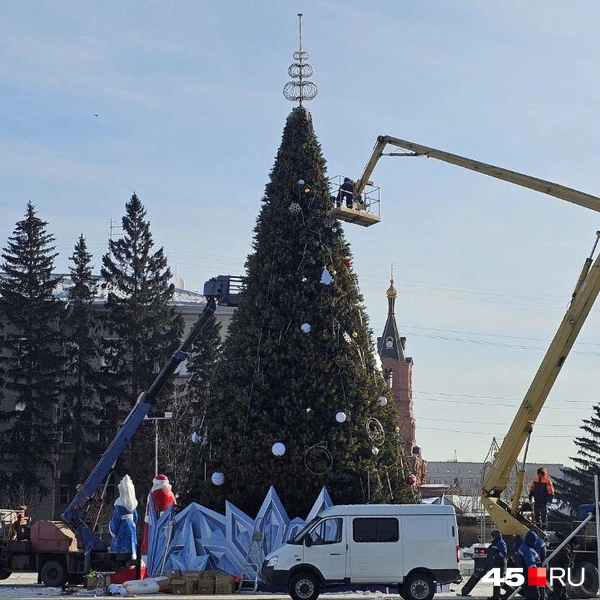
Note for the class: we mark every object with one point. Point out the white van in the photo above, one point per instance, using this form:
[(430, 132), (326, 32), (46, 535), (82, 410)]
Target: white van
[(411, 546)]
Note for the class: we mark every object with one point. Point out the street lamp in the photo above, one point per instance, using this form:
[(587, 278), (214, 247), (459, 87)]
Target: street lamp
[(168, 415)]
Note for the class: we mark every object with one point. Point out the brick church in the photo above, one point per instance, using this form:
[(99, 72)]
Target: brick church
[(397, 370)]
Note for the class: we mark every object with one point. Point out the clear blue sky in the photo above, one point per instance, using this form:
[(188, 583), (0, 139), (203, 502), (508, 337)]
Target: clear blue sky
[(190, 115)]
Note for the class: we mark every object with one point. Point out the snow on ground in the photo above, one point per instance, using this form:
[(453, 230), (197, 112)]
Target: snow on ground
[(24, 587)]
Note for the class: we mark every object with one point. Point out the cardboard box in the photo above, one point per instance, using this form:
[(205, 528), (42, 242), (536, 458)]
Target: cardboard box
[(224, 584), (205, 585), (164, 583), (97, 580), (182, 586), (173, 574), (192, 573), (208, 574)]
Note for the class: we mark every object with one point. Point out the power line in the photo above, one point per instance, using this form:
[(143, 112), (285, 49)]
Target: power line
[(479, 397)]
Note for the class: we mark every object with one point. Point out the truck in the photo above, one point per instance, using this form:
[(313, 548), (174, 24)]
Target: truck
[(408, 546), (64, 551), (509, 516)]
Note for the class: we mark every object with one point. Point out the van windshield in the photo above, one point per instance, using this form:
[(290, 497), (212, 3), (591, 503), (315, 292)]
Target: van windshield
[(297, 539)]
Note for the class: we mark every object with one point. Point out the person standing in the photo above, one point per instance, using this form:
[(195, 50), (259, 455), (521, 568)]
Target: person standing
[(497, 554), (541, 492), (530, 558), (346, 193)]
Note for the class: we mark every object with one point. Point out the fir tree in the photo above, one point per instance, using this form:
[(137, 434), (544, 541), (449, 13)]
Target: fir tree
[(32, 358), (143, 331), (577, 485), (187, 443), (298, 352), (80, 406)]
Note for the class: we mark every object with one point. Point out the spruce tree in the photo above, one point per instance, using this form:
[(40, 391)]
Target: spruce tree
[(80, 414), (577, 485), (299, 351), (142, 332), (32, 359)]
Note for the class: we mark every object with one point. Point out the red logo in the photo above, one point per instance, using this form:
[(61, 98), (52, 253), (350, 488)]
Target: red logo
[(536, 576)]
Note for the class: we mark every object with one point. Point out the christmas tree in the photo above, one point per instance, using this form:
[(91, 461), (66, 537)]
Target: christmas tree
[(185, 448), (297, 400)]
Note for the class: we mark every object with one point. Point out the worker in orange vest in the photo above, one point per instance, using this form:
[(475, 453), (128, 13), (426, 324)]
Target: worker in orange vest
[(541, 492)]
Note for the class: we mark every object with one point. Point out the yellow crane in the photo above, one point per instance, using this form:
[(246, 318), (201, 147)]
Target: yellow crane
[(506, 516)]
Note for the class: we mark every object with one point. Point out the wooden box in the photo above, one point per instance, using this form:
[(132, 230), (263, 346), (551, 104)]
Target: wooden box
[(183, 587), (97, 580), (224, 584)]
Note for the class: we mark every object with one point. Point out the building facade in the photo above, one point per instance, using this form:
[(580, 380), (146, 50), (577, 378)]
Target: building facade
[(466, 478)]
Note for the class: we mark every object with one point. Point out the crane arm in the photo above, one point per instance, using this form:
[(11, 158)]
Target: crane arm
[(586, 291), (584, 296), (533, 183), (74, 513)]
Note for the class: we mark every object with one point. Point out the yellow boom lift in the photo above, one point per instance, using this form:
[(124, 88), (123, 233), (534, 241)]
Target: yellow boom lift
[(506, 516)]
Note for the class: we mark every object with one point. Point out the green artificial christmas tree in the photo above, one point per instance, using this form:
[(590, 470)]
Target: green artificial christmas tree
[(186, 448), (297, 401), (80, 406), (143, 331), (32, 357)]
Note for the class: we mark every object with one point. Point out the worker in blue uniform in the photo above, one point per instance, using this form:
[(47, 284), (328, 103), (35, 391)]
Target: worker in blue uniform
[(497, 554), (530, 558)]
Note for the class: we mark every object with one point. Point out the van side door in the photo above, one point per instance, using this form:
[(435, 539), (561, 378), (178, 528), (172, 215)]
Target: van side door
[(325, 548), (376, 552)]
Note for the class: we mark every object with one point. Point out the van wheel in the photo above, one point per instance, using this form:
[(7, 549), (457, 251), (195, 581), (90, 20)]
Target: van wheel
[(589, 573), (304, 586), (419, 586), (53, 574), (5, 574)]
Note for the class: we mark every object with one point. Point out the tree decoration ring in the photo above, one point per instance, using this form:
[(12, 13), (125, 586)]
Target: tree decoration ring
[(318, 459), (375, 431)]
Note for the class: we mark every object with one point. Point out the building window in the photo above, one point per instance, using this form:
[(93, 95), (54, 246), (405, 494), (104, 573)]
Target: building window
[(389, 377), (64, 495)]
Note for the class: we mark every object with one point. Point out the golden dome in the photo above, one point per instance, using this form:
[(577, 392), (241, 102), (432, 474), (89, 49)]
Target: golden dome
[(391, 293)]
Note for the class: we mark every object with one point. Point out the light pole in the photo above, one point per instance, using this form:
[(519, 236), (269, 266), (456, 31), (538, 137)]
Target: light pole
[(168, 415)]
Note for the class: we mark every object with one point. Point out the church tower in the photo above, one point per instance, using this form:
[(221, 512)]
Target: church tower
[(397, 370)]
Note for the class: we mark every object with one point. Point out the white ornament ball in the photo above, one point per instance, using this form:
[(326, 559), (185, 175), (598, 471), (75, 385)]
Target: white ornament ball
[(278, 449), (305, 327), (382, 401), (340, 417), (304, 280), (375, 450), (217, 478)]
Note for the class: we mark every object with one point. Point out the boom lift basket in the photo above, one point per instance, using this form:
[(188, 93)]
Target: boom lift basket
[(365, 211)]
